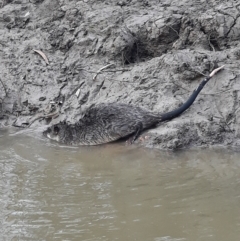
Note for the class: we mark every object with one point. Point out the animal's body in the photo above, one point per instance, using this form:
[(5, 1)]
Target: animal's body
[(104, 123), (109, 122)]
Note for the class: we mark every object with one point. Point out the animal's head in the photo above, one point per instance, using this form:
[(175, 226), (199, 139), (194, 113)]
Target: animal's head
[(59, 132)]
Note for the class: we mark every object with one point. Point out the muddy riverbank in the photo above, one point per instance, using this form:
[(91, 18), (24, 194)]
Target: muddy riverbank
[(155, 54)]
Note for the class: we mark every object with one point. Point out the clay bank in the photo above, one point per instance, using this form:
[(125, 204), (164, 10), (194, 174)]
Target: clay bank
[(58, 58)]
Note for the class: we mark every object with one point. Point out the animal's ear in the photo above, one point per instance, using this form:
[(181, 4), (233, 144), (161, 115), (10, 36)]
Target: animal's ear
[(56, 130)]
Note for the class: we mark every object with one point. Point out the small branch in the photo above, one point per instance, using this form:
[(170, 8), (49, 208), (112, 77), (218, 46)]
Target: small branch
[(30, 83), (42, 55), (116, 70), (94, 72), (100, 70)]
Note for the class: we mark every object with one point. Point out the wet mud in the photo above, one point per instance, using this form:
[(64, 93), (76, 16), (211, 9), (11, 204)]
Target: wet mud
[(60, 57)]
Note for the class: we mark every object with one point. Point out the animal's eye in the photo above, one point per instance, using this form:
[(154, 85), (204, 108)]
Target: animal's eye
[(56, 130)]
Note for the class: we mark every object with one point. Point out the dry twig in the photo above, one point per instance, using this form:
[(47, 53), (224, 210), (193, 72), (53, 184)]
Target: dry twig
[(42, 55), (100, 70)]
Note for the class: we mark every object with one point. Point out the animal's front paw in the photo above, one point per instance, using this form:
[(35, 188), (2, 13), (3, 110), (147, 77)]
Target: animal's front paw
[(129, 141)]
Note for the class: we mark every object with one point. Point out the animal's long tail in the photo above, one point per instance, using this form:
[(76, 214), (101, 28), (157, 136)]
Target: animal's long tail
[(172, 114)]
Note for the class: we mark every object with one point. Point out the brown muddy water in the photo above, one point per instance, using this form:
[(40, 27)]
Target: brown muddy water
[(115, 192)]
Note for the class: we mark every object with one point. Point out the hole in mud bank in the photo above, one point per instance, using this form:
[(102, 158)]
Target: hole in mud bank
[(136, 53), (214, 45), (141, 47), (37, 1)]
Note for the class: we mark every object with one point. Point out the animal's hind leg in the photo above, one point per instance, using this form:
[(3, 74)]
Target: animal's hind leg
[(139, 128)]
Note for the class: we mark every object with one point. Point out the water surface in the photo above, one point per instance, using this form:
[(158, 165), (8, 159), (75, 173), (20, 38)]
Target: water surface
[(115, 192)]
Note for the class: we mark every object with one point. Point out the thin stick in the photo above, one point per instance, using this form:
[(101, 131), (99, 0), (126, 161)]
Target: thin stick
[(100, 70), (42, 55)]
